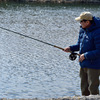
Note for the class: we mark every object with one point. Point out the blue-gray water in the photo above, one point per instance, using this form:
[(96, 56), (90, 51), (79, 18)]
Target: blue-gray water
[(30, 69)]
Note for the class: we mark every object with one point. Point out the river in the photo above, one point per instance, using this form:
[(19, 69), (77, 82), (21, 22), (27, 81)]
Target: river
[(31, 69)]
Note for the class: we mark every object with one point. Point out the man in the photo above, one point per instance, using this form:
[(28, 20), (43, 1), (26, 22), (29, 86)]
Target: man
[(88, 46)]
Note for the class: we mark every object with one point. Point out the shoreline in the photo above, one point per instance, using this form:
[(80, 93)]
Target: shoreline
[(57, 1), (91, 97), (65, 1)]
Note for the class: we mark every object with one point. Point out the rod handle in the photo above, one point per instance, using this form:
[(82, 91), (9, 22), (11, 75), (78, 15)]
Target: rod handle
[(58, 47), (63, 49)]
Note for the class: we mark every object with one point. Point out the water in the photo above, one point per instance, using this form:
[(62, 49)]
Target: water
[(30, 69)]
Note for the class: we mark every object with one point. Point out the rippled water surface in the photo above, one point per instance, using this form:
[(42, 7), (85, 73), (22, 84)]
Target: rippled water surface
[(30, 69)]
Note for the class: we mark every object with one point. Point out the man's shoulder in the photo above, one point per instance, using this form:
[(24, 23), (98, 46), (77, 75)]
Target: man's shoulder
[(96, 33)]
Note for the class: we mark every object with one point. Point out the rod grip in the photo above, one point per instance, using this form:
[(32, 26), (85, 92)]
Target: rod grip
[(58, 47)]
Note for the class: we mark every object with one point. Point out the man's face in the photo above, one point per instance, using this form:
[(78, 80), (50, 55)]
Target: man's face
[(85, 23)]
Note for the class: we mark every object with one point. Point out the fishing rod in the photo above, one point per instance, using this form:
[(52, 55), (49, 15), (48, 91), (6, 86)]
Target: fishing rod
[(31, 38), (72, 56)]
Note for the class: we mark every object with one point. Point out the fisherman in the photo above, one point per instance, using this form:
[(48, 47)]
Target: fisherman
[(88, 46)]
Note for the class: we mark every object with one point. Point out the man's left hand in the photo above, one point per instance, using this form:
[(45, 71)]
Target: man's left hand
[(81, 58)]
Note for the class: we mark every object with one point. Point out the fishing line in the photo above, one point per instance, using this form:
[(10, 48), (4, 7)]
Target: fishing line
[(72, 56)]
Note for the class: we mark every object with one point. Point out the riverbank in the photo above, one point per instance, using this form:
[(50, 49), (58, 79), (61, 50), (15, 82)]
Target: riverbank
[(56, 1), (92, 97), (65, 1)]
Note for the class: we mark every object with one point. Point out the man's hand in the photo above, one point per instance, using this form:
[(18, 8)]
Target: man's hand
[(67, 49), (81, 58)]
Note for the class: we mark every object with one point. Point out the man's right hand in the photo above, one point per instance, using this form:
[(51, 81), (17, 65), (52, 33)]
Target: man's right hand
[(67, 49)]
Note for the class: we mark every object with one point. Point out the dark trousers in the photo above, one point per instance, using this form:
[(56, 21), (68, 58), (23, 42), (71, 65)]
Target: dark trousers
[(89, 81)]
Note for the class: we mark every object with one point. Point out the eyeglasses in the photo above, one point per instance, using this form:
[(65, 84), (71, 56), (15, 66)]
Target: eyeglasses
[(83, 21)]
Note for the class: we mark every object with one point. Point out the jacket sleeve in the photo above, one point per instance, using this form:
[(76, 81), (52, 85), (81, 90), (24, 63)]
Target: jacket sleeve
[(94, 54)]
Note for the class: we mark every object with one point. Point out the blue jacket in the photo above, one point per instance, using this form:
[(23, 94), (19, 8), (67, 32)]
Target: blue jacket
[(89, 44)]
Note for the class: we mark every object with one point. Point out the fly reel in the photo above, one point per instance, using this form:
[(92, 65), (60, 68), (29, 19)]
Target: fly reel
[(73, 56)]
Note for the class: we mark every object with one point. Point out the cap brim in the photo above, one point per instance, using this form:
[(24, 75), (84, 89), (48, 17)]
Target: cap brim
[(78, 19)]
